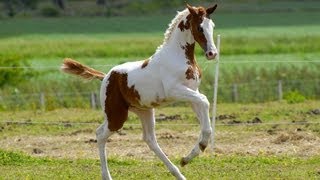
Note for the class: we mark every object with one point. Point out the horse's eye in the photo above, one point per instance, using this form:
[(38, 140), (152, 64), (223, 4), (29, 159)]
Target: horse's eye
[(200, 29)]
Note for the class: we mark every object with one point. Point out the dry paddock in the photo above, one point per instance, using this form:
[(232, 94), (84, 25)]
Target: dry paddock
[(292, 140)]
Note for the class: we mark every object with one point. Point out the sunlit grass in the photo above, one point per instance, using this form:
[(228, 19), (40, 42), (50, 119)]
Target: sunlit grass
[(17, 165), (38, 122), (144, 45)]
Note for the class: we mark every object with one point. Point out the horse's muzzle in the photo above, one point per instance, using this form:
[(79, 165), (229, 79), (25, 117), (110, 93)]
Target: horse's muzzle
[(211, 55)]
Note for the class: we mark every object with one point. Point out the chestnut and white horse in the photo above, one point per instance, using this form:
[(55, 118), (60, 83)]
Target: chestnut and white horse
[(171, 74)]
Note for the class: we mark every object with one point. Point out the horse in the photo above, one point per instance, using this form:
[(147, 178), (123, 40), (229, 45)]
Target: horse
[(170, 74)]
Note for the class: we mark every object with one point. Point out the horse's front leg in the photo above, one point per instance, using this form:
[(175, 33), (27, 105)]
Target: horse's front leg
[(203, 139), (200, 105)]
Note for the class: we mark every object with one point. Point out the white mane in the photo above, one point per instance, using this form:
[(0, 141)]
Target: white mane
[(172, 26)]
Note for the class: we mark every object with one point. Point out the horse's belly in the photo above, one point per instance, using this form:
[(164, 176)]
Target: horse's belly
[(149, 87), (151, 94)]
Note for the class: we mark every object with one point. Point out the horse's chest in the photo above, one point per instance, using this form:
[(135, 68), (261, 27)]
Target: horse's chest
[(193, 76)]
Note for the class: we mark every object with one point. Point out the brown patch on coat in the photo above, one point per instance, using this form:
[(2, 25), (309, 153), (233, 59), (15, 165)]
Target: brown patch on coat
[(158, 102), (195, 21), (194, 67), (202, 12), (119, 98), (190, 74), (192, 71), (145, 63), (189, 52), (185, 25)]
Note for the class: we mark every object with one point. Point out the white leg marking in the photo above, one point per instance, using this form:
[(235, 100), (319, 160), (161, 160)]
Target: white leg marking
[(148, 124), (102, 134), (200, 106)]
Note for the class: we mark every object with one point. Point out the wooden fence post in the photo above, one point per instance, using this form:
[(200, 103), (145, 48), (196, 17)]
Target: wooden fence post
[(280, 92), (93, 100), (42, 101), (234, 92)]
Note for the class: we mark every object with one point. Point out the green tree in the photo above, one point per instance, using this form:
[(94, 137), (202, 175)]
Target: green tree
[(101, 2), (11, 72), (12, 7), (29, 4), (60, 3)]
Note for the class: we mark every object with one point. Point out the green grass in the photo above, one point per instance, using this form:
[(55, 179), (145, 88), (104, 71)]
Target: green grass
[(60, 121), (256, 75), (249, 42), (271, 33), (16, 165), (20, 166), (234, 42), (150, 24)]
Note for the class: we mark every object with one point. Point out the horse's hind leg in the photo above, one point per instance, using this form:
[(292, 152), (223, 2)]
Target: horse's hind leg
[(148, 123), (102, 134)]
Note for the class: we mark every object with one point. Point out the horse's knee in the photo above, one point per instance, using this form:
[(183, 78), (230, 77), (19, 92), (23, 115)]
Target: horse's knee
[(147, 140), (102, 133), (100, 130), (207, 133), (204, 101), (150, 142)]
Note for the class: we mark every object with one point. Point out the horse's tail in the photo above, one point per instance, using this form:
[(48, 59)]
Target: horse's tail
[(73, 67)]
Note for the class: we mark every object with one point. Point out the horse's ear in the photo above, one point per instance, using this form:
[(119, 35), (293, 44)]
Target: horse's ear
[(210, 10), (191, 10)]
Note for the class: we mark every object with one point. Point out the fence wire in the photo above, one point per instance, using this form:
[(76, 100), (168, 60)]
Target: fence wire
[(228, 92), (57, 123), (207, 62)]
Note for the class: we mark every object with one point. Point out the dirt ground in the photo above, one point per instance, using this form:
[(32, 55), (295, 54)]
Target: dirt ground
[(82, 144)]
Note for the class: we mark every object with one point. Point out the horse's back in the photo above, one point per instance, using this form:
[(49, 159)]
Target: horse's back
[(144, 78)]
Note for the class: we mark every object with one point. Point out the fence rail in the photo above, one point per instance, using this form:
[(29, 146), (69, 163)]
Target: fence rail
[(236, 92), (256, 91), (207, 62)]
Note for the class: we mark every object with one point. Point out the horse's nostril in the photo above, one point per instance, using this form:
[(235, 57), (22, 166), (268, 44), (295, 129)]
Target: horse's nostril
[(215, 54), (211, 55)]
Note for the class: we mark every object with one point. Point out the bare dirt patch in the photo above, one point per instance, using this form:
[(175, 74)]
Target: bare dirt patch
[(298, 143), (82, 144)]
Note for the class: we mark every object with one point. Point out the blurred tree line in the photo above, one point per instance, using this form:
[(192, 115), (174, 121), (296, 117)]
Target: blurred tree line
[(98, 7), (51, 8), (12, 7)]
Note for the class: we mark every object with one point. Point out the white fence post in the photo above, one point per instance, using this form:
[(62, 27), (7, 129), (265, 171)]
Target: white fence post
[(215, 92)]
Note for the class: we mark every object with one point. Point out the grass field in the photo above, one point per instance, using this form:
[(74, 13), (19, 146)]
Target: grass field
[(247, 167), (247, 47), (284, 144), (81, 37)]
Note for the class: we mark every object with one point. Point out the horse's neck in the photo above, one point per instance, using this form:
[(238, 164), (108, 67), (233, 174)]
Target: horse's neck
[(177, 44)]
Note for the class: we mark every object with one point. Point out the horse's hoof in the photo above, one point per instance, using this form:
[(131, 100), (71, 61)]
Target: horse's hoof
[(183, 162), (202, 147)]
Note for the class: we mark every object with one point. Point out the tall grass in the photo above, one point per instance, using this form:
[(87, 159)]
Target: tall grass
[(253, 38), (140, 45)]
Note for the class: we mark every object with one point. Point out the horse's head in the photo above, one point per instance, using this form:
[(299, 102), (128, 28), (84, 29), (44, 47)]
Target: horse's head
[(202, 29)]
